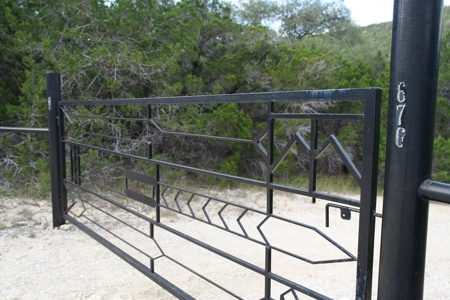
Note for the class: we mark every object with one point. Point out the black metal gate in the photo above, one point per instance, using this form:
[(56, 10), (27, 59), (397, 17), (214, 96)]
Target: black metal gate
[(94, 172)]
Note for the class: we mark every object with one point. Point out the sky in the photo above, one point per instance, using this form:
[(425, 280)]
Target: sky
[(365, 12)]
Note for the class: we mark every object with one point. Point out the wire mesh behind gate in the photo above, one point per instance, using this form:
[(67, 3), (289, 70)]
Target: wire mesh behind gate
[(128, 192)]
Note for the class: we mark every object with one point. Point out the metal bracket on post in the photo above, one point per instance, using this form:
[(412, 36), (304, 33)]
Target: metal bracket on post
[(57, 153)]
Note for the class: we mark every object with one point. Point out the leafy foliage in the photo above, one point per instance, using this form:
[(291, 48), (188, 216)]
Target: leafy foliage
[(152, 48)]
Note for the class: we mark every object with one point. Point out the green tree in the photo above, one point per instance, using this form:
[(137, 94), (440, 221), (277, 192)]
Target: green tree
[(309, 18)]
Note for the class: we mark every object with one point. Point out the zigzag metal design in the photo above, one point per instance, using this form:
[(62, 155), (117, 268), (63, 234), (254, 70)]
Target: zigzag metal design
[(257, 142), (296, 138), (314, 154), (332, 140), (294, 294), (244, 234), (204, 209)]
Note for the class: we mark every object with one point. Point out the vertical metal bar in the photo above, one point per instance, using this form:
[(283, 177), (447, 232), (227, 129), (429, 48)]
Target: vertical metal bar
[(412, 104), (150, 150), (269, 158), (72, 170), (152, 226), (158, 197), (269, 203), (267, 271), (57, 168), (77, 164), (149, 112), (312, 158), (366, 237)]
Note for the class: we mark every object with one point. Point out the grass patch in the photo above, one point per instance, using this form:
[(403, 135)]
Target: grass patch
[(2, 226)]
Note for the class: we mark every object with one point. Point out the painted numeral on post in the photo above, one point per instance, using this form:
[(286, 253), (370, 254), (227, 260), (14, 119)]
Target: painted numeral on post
[(401, 92), (401, 106), (401, 133), (400, 110)]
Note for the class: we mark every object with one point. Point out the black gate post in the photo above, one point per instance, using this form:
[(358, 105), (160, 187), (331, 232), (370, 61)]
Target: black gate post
[(412, 103), (57, 166)]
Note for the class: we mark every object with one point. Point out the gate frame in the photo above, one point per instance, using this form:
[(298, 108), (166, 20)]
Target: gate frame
[(372, 108)]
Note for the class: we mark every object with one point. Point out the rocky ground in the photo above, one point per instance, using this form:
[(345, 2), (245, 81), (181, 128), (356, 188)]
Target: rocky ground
[(39, 262)]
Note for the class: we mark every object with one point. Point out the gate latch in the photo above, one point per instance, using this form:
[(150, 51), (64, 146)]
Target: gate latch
[(346, 212)]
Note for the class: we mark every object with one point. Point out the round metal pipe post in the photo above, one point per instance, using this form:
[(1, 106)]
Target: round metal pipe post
[(412, 104)]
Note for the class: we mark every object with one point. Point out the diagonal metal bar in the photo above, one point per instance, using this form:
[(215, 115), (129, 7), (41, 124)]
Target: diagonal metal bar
[(189, 205), (240, 224), (70, 192), (176, 201), (332, 140), (205, 212), (164, 198), (346, 159), (296, 138), (282, 155), (261, 232), (157, 126), (294, 294), (301, 141), (68, 119), (257, 142), (220, 216)]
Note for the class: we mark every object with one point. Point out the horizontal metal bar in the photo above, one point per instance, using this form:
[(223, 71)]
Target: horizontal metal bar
[(117, 219), (140, 177), (172, 165), (316, 95), (324, 196), (103, 163), (127, 209), (208, 137), (111, 118), (86, 180), (435, 191), (141, 198), (113, 137), (23, 129), (167, 285), (118, 237), (203, 277), (359, 117), (315, 194)]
